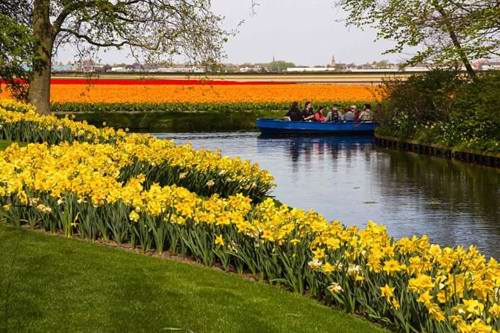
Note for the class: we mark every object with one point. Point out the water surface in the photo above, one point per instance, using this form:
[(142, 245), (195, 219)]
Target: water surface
[(352, 180)]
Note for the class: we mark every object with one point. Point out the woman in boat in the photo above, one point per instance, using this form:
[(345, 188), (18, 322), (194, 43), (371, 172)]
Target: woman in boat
[(349, 115), (319, 116), (294, 113)]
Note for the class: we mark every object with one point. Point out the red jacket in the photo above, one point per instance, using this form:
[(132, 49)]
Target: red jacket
[(319, 117)]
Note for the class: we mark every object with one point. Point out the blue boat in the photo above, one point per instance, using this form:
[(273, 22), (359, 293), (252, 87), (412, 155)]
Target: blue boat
[(278, 126)]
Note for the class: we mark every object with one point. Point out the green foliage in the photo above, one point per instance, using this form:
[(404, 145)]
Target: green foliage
[(152, 30), (181, 107), (4, 144), (441, 107), (15, 55), (444, 32), (421, 99), (475, 122), (166, 107), (277, 66), (176, 122)]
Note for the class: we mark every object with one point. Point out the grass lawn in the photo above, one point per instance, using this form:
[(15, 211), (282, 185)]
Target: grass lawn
[(49, 283), (4, 144)]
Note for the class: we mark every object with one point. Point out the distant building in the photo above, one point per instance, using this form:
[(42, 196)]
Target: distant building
[(310, 69), (486, 65), (250, 69), (87, 66), (136, 67), (491, 66), (118, 69), (62, 68), (178, 69), (365, 70), (416, 69)]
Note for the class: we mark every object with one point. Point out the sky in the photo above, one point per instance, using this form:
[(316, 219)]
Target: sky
[(305, 32)]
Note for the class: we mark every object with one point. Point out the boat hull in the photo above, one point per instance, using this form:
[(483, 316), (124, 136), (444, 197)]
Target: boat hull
[(276, 126)]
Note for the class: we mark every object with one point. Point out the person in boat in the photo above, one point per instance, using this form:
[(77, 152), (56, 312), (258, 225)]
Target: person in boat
[(356, 112), (319, 116), (366, 114), (308, 113), (294, 113), (342, 112), (349, 115), (333, 115)]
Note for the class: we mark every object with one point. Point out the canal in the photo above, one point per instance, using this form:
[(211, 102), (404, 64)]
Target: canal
[(352, 180)]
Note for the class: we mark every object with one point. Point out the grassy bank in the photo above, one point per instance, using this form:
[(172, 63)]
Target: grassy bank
[(49, 283), (178, 121), (4, 144)]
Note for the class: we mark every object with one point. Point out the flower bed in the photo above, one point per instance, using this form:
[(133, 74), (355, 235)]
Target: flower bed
[(219, 94), (201, 171), (187, 95), (409, 284)]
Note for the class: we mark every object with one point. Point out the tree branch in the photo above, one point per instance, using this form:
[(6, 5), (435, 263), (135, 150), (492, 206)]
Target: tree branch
[(92, 42)]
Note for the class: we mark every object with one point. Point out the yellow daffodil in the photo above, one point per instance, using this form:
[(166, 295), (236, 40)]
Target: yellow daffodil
[(219, 240)]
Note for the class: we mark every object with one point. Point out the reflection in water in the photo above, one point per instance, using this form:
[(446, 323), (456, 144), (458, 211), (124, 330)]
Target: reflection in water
[(457, 199), (349, 179)]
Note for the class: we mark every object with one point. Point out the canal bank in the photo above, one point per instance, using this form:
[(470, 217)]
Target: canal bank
[(177, 122), (487, 159)]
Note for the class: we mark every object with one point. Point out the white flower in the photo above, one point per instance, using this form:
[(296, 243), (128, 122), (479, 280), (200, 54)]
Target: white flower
[(335, 288), (353, 269), (315, 264)]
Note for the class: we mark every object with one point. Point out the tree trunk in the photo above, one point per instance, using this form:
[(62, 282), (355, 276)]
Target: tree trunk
[(39, 90), (463, 56), (455, 41)]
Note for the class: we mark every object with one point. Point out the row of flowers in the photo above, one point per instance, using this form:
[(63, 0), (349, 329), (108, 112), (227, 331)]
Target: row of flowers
[(162, 161), (409, 284), (210, 94)]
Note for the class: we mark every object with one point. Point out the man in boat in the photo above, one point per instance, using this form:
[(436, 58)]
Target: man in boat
[(366, 114), (294, 113), (308, 113), (333, 115)]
